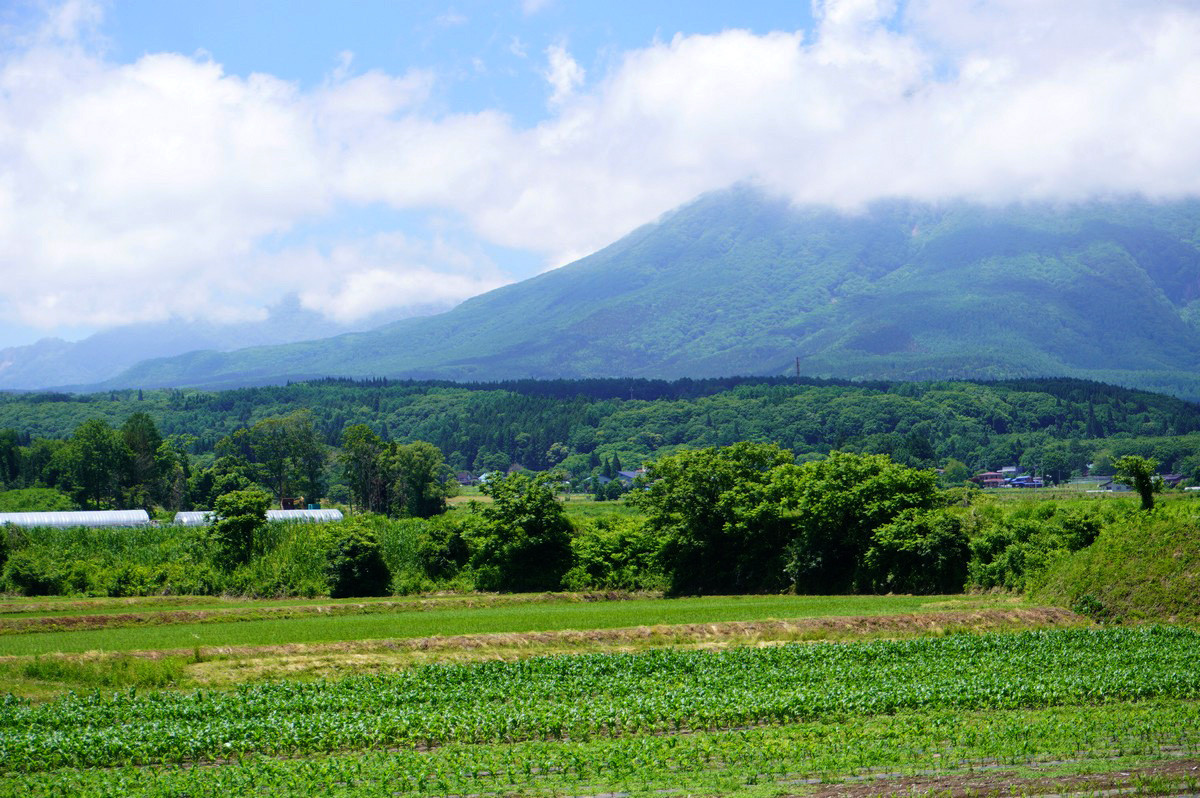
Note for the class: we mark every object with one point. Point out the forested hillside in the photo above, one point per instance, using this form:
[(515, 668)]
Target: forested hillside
[(1058, 426), (740, 283)]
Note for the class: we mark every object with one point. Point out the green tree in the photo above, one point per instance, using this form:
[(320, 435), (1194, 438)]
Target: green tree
[(364, 469), (955, 472), (290, 453), (919, 552), (722, 527), (95, 459), (10, 458), (142, 476), (175, 469), (835, 505), (237, 518), (524, 542), (556, 454), (1057, 462), (228, 473), (1138, 473), (1102, 463), (420, 487)]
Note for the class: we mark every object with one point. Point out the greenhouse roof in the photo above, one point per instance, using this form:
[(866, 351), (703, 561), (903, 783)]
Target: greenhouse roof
[(93, 518)]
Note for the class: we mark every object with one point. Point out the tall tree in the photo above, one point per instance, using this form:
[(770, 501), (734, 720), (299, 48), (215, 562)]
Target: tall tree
[(95, 458), (237, 518), (10, 458), (290, 451), (363, 468), (420, 486), (142, 474)]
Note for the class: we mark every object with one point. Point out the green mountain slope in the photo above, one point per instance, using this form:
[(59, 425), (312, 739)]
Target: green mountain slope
[(740, 283)]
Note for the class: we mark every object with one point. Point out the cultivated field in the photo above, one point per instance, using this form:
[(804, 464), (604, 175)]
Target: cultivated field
[(562, 694)]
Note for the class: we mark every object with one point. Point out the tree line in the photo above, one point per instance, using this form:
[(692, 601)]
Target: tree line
[(746, 518), (1056, 427), (375, 445)]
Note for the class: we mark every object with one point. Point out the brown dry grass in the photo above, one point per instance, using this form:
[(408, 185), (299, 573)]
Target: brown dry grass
[(221, 666)]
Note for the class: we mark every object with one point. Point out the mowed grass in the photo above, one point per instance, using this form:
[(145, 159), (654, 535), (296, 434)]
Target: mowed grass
[(65, 607), (57, 606), (518, 618)]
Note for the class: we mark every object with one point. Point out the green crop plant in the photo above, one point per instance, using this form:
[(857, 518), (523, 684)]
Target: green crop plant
[(599, 696)]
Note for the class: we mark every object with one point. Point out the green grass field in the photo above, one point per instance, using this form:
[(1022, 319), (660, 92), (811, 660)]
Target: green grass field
[(520, 617)]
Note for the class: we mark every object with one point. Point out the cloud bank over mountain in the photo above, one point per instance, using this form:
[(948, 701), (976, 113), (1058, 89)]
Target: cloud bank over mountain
[(166, 186)]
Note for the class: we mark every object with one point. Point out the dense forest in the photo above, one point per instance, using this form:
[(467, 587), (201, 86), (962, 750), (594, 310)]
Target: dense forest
[(1054, 426)]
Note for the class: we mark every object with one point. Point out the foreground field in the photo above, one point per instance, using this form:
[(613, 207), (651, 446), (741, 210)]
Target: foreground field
[(1062, 704)]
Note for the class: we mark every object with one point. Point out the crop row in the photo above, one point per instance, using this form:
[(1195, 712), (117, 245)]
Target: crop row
[(913, 742), (604, 695)]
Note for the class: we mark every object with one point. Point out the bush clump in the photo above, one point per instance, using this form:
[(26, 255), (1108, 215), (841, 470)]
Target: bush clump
[(356, 565)]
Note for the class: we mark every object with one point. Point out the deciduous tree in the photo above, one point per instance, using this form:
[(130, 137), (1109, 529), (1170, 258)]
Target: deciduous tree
[(524, 543), (1138, 473)]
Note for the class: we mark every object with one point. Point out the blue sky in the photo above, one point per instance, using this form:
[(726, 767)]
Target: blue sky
[(481, 49), (201, 160)]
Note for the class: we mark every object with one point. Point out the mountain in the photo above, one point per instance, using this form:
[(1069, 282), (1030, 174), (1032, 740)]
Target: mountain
[(53, 362), (738, 282)]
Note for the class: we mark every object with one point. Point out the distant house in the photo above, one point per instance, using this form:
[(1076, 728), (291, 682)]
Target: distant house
[(1172, 480), (990, 479), (465, 478), (629, 476), (1113, 485)]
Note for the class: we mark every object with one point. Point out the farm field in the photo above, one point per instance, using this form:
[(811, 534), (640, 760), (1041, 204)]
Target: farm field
[(1038, 711), (34, 626)]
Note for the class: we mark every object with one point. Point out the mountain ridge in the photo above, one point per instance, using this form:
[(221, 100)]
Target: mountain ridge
[(738, 282), (57, 363)]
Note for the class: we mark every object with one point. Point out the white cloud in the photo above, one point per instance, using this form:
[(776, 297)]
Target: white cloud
[(562, 73), (356, 279), (451, 19), (134, 191), (534, 6)]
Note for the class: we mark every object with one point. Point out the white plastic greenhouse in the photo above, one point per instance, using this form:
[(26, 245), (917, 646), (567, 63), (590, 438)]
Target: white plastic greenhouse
[(92, 518), (201, 518), (304, 515)]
